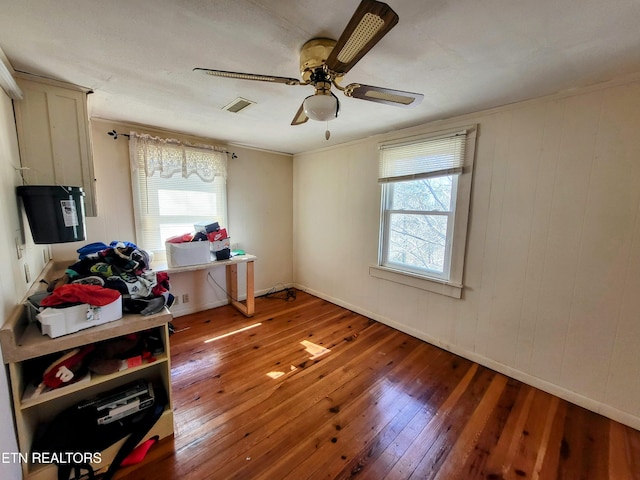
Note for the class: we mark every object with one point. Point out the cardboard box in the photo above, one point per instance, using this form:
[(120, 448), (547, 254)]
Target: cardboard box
[(205, 227), (218, 235), (56, 322), (185, 254), (221, 244)]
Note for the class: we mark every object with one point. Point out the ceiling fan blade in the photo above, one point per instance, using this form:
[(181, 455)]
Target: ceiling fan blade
[(370, 22), (387, 96), (249, 76), (300, 117)]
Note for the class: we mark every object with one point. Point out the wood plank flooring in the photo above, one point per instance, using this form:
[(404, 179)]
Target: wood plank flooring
[(269, 402)]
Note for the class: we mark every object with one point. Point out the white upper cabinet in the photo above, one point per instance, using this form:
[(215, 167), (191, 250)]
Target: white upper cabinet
[(53, 135)]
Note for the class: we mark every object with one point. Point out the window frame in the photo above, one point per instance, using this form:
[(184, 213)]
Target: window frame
[(387, 212), (141, 186), (451, 284)]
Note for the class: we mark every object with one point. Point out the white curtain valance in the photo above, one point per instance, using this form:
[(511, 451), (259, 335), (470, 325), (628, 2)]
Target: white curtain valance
[(170, 156)]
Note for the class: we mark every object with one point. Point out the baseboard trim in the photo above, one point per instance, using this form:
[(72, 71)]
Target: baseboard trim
[(568, 395), (183, 309)]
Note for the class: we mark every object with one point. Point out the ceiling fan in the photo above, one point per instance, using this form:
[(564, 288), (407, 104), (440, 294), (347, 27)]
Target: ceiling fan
[(323, 63)]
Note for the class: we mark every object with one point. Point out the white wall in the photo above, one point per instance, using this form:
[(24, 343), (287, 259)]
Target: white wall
[(552, 269), (13, 282), (259, 190), (260, 221)]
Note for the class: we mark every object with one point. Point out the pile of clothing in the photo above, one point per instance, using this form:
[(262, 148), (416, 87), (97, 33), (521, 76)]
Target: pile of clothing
[(124, 267)]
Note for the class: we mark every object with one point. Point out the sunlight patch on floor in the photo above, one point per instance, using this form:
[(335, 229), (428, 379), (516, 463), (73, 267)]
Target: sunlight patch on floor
[(244, 329), (316, 351), (275, 375)]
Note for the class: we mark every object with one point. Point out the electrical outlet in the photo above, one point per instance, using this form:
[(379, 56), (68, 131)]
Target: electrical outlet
[(185, 298)]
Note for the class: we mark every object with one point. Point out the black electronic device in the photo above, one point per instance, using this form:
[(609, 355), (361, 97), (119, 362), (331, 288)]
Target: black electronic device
[(120, 403)]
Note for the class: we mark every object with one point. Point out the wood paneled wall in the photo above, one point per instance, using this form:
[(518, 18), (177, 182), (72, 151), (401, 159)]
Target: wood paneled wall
[(552, 272)]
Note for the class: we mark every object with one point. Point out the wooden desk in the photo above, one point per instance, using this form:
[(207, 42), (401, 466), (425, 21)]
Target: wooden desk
[(231, 265)]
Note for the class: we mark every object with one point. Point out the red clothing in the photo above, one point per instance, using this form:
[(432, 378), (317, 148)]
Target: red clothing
[(79, 293)]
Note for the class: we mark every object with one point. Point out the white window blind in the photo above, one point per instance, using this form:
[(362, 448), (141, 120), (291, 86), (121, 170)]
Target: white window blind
[(431, 157), (175, 185)]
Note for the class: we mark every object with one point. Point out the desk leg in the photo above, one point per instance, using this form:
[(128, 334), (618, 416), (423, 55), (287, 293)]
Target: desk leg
[(232, 283), (232, 289), (250, 290)]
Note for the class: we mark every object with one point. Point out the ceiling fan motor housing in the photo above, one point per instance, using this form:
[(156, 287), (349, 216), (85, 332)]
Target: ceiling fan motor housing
[(313, 55)]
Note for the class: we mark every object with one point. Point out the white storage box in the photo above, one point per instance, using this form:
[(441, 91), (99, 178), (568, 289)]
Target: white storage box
[(61, 321), (188, 253)]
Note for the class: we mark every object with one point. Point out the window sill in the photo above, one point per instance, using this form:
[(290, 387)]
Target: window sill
[(417, 281)]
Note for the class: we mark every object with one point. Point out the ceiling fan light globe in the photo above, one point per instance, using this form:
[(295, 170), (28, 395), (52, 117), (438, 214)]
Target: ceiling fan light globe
[(321, 108)]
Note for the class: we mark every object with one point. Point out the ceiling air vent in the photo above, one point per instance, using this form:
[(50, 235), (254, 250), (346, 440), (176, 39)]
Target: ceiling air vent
[(237, 105)]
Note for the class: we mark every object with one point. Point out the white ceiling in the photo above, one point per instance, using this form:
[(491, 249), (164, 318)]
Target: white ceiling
[(463, 55)]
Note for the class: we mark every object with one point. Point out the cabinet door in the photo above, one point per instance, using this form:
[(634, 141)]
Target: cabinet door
[(53, 136)]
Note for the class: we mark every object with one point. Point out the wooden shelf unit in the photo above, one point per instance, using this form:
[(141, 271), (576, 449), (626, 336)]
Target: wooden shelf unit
[(22, 342)]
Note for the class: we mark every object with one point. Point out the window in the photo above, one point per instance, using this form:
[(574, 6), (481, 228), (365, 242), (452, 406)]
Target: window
[(426, 184), (175, 185)]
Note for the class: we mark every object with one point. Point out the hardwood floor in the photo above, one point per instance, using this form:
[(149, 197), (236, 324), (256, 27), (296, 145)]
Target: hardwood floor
[(269, 402)]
